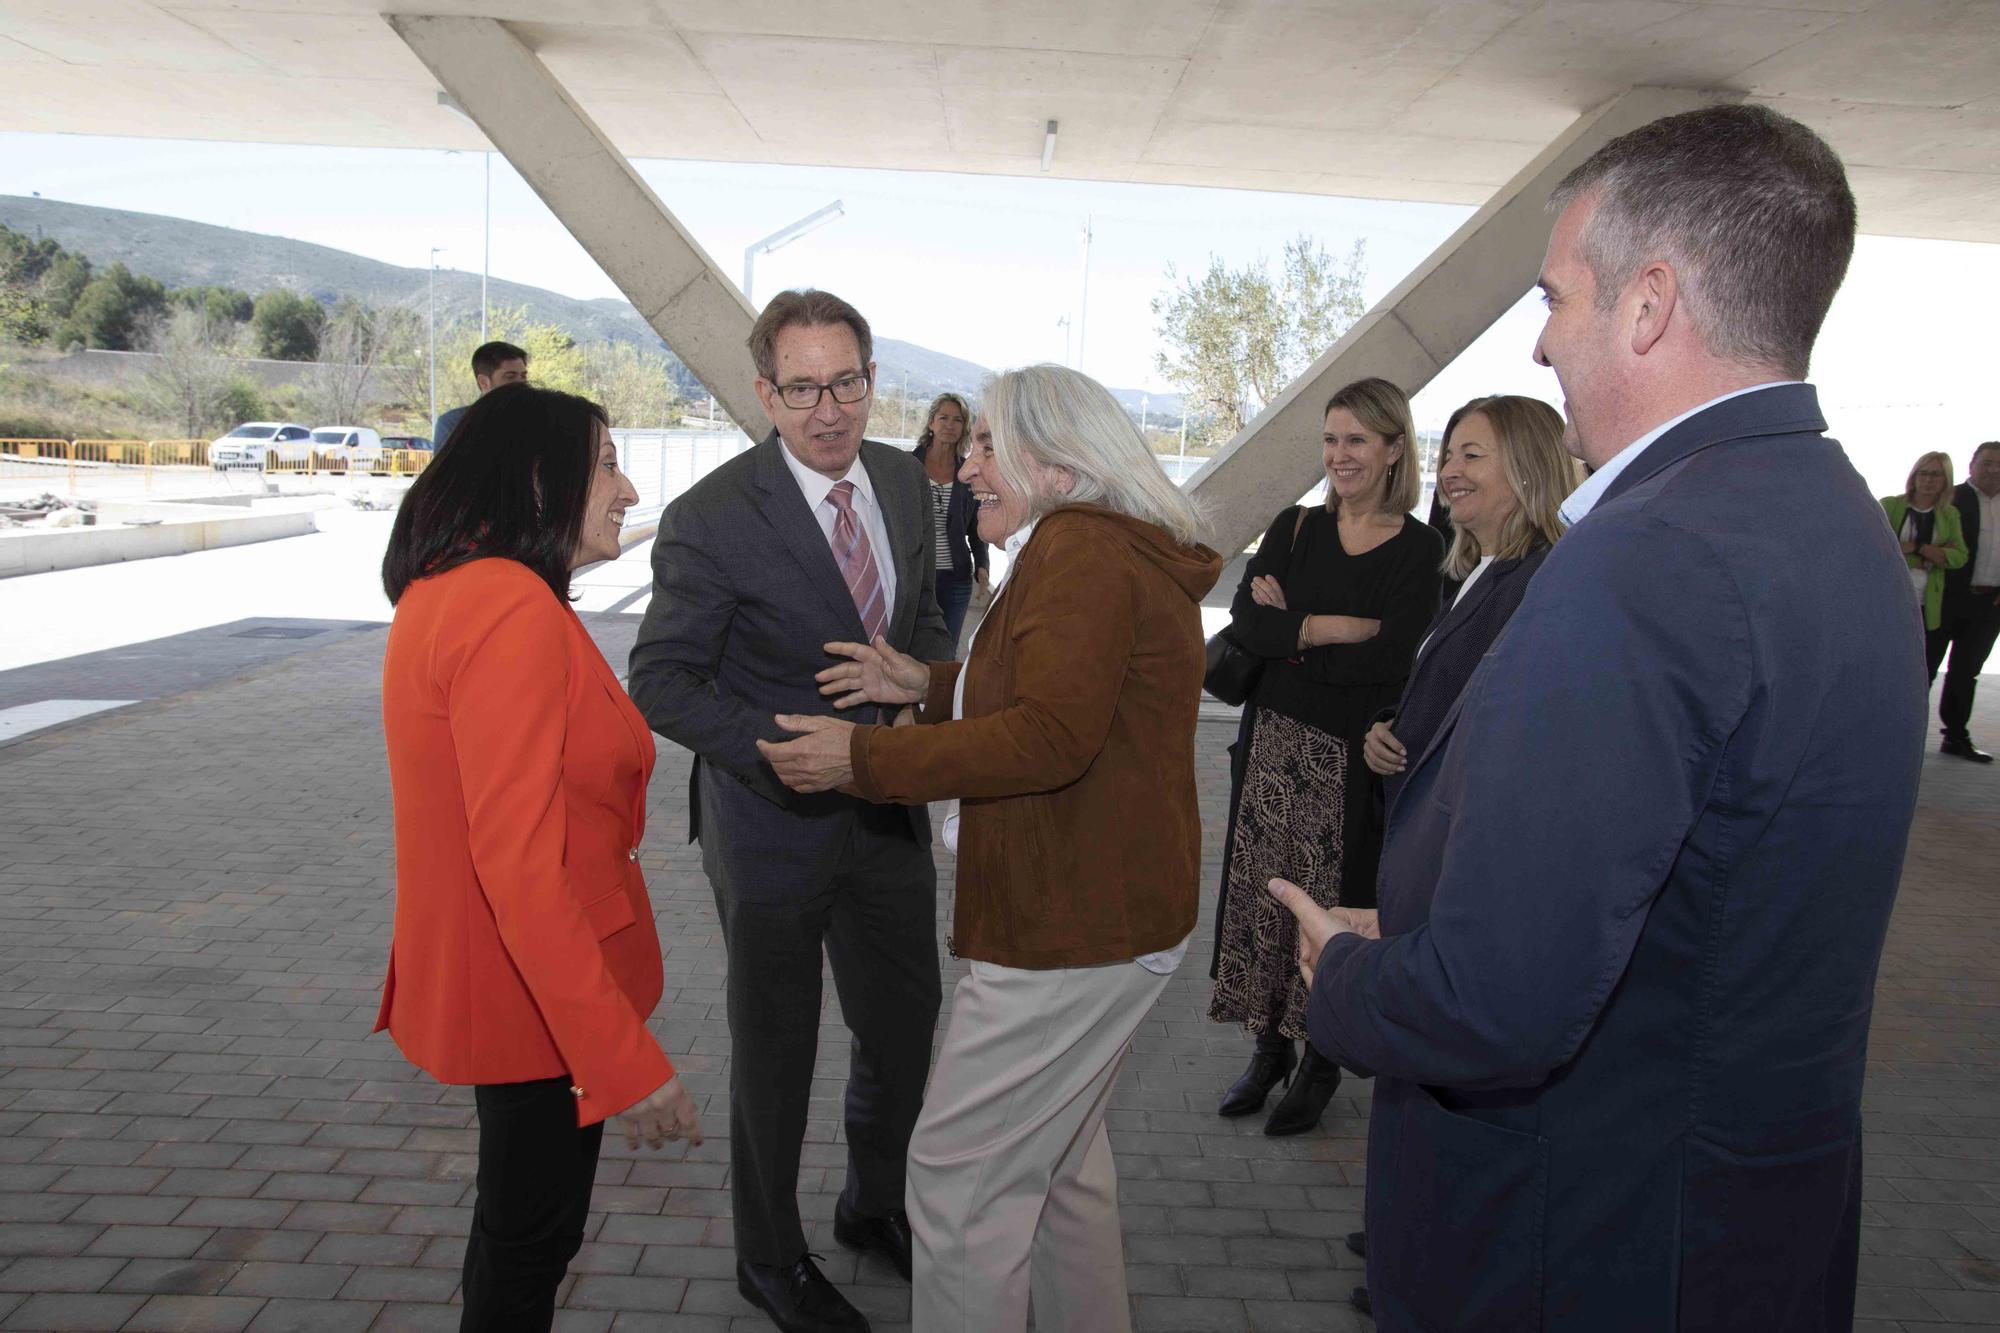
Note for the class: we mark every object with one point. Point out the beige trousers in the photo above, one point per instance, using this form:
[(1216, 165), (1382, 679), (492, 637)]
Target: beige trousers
[(1011, 1182)]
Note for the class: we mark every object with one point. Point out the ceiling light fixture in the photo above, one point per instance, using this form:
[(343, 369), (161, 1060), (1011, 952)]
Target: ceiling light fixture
[(1049, 145)]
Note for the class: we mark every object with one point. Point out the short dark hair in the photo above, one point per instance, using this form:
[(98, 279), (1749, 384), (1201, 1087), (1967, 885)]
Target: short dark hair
[(487, 358), (1751, 208), (1980, 449), (509, 484), (812, 309)]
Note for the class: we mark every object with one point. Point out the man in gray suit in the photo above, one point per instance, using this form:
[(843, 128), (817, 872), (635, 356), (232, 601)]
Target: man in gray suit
[(814, 536)]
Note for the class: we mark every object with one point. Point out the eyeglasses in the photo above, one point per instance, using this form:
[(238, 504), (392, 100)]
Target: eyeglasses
[(805, 397)]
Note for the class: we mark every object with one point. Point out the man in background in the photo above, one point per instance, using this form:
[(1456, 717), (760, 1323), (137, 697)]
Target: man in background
[(493, 364)]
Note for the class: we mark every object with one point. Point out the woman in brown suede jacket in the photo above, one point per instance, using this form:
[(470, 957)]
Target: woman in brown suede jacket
[(1069, 737)]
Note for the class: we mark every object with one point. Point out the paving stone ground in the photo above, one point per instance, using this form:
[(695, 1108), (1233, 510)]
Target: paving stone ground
[(198, 1132)]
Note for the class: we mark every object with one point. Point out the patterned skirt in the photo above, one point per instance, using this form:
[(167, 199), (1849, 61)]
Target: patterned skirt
[(1289, 822)]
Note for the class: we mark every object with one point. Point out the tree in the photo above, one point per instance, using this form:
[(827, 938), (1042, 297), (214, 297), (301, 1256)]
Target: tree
[(222, 304), (635, 386), (344, 382), (193, 371), (114, 310), (1237, 337), (287, 325), (554, 359)]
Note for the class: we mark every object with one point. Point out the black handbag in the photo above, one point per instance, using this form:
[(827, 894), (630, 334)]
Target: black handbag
[(1233, 670)]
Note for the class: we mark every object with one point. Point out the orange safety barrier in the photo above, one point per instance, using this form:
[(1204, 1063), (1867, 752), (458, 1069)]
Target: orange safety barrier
[(43, 453), (408, 462)]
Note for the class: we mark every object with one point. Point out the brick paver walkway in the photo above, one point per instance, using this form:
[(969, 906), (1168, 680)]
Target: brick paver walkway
[(198, 1132)]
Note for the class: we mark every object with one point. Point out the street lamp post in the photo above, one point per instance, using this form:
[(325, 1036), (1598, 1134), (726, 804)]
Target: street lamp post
[(486, 262), (450, 103), (781, 238), (436, 250), (1083, 305)]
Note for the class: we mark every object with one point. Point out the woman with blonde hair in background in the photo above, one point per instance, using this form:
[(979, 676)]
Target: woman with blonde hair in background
[(1927, 524), (955, 542)]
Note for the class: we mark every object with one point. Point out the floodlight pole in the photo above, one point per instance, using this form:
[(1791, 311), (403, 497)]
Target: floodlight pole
[(781, 238)]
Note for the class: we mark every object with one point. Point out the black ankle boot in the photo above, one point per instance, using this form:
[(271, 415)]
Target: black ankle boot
[(1302, 1105), (1271, 1065)]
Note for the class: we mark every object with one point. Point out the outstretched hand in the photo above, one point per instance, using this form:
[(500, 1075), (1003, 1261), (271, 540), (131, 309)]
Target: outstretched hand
[(876, 674), (1319, 924), (819, 760)]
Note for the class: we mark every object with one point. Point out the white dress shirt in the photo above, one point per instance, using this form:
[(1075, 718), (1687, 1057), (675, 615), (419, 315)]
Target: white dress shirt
[(1163, 962), (816, 486), (1585, 497), (1986, 559)]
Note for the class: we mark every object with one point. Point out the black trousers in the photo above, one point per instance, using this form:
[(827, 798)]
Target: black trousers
[(875, 921), (1968, 627), (535, 1173)]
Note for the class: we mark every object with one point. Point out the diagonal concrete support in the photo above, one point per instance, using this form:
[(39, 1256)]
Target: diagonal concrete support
[(595, 193), (1414, 332)]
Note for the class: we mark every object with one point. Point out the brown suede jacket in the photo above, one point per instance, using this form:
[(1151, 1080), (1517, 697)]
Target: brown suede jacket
[(1079, 834)]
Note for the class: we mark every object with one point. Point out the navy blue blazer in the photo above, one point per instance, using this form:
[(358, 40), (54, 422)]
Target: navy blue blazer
[(1633, 897), (1457, 643)]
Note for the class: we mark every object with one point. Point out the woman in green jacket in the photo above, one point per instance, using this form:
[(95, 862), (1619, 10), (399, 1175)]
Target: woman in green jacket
[(1926, 522)]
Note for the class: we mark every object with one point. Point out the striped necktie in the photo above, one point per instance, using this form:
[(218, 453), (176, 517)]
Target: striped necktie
[(856, 558)]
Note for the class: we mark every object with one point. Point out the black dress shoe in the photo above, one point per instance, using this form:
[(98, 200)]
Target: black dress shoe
[(798, 1298), (1271, 1065), (1358, 1298), (1303, 1104), (1357, 1244), (1963, 747), (887, 1236)]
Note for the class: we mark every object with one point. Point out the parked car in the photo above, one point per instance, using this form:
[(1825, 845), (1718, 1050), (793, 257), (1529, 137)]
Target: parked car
[(378, 460), (346, 446), (254, 443)]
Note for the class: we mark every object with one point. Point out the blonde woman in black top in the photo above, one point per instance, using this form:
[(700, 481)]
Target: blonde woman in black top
[(1337, 611)]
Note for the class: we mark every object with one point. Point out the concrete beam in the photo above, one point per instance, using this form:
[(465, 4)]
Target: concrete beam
[(1415, 331), (594, 192)]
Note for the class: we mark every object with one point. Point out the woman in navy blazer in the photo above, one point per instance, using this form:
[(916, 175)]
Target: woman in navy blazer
[(1504, 474)]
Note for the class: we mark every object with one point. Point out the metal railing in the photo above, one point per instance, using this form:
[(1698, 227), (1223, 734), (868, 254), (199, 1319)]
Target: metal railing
[(48, 458), (664, 463)]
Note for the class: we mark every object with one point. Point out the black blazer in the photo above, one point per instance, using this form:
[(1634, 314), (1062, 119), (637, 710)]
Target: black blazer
[(1958, 582), (1460, 637), (961, 526)]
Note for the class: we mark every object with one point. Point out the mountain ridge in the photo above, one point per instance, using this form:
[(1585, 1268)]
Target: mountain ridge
[(180, 252)]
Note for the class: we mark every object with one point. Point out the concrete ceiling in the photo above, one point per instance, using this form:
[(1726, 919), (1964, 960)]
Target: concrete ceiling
[(1439, 100)]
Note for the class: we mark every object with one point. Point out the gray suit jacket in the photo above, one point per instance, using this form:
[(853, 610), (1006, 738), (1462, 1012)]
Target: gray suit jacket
[(745, 596)]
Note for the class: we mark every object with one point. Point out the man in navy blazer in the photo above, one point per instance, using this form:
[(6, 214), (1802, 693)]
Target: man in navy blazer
[(1635, 890)]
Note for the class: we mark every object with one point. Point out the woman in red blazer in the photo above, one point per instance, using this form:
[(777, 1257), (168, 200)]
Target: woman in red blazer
[(525, 960)]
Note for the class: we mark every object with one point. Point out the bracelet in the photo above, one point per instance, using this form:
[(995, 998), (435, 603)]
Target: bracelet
[(1305, 633)]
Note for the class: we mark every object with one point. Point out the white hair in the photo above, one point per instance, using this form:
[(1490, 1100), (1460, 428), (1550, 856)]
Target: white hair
[(1062, 418)]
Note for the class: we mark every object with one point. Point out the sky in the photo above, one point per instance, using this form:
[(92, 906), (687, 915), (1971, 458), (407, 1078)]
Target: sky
[(984, 267)]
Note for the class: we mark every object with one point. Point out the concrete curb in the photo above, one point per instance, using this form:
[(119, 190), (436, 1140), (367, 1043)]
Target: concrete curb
[(37, 552)]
